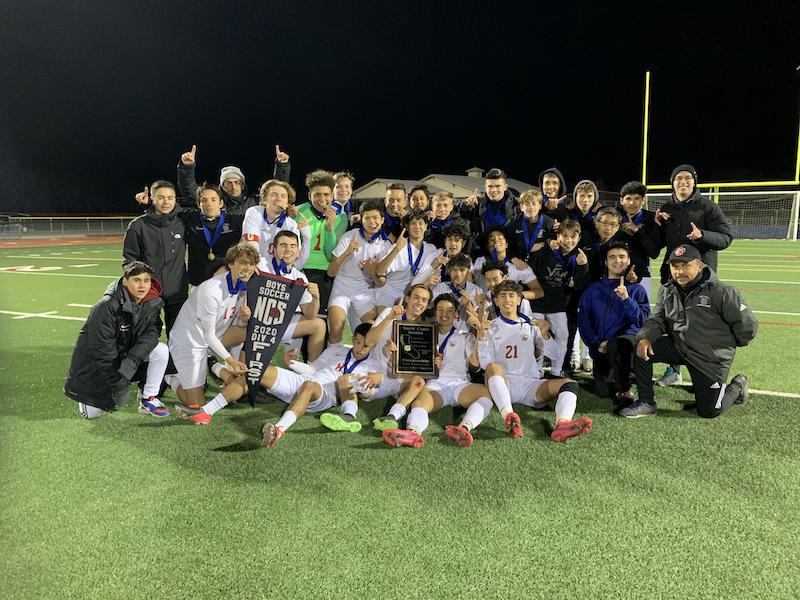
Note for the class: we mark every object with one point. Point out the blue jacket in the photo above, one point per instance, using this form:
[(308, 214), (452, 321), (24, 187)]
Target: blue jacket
[(603, 316)]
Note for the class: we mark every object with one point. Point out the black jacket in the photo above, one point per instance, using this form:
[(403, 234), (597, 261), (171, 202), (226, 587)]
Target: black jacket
[(234, 205), (560, 279), (113, 343), (476, 215), (200, 266), (159, 240), (707, 321), (707, 216), (517, 247), (559, 213), (644, 244)]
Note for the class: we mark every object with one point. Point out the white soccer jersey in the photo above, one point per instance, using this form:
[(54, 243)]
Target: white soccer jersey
[(260, 233), (449, 288), (265, 265), (455, 350), (350, 272), (521, 276), (399, 273), (513, 345), (331, 364), (207, 314), (489, 306)]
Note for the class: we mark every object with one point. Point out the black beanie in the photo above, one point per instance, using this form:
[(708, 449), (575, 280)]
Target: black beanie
[(680, 168)]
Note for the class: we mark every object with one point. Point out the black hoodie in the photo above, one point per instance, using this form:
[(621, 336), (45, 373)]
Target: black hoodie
[(159, 241), (560, 213)]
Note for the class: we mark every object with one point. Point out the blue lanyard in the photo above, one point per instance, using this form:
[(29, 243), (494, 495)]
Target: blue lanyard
[(506, 260), (211, 241), (525, 232), (235, 289), (280, 219), (456, 290), (636, 219), (522, 319), (381, 234), (349, 368), (320, 216), (280, 268), (572, 262), (414, 264), (438, 223), (444, 343)]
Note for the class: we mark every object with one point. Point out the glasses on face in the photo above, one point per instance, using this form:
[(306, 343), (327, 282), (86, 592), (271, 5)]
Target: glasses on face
[(686, 179)]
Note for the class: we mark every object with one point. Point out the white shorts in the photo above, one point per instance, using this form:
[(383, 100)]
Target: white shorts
[(523, 389), (190, 361), (389, 388), (448, 389), (288, 335), (389, 294), (347, 296), (287, 384)]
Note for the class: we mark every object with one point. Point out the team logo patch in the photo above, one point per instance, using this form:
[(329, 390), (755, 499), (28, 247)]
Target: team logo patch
[(524, 338), (680, 251), (704, 300)]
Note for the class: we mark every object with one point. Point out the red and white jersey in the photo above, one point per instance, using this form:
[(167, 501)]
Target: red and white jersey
[(489, 306), (207, 314), (260, 233), (455, 351), (265, 266), (350, 272), (514, 345)]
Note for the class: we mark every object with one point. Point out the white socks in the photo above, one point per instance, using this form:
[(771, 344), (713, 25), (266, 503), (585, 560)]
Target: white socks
[(349, 407), (565, 406), (476, 413), (498, 388), (215, 405), (398, 411), (156, 366), (287, 420), (417, 420)]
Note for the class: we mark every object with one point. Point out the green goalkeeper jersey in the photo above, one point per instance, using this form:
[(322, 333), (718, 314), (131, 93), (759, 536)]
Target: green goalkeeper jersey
[(322, 241)]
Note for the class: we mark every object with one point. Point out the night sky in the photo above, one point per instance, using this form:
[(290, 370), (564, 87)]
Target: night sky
[(100, 98)]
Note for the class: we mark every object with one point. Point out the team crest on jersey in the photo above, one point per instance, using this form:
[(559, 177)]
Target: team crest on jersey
[(703, 300), (524, 338), (340, 367)]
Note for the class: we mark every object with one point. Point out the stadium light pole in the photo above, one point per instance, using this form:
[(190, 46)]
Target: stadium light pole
[(646, 126)]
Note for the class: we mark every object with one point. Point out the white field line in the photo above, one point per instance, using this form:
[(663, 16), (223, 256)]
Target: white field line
[(81, 266), (725, 279), (752, 391), (763, 312), (37, 256), (61, 274), (47, 315), (80, 305)]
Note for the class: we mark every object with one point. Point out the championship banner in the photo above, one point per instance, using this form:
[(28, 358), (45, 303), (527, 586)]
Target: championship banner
[(272, 301)]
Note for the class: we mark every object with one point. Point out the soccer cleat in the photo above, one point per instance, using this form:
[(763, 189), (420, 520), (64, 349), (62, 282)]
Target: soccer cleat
[(638, 409), (403, 437), (567, 429), (459, 434), (385, 423), (153, 406), (670, 377), (744, 383), (270, 434), (336, 422), (514, 425), (196, 415)]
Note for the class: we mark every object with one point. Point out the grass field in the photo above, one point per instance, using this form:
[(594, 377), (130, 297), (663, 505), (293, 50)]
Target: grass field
[(133, 507)]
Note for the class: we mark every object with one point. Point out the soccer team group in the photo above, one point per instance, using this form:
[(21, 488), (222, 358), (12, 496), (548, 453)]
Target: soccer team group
[(507, 281)]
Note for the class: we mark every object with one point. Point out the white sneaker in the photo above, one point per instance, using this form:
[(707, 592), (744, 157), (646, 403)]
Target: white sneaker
[(670, 377), (89, 412), (587, 364)]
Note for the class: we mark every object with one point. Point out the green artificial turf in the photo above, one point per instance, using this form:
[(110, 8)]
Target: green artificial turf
[(129, 506)]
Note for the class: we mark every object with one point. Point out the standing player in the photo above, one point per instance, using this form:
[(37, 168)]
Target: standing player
[(457, 352), (353, 265), (262, 222), (640, 231), (207, 323), (119, 344), (532, 228), (508, 348)]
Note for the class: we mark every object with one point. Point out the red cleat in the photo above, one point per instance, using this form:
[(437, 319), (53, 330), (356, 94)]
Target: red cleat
[(567, 429), (514, 425), (403, 437), (459, 434), (196, 415)]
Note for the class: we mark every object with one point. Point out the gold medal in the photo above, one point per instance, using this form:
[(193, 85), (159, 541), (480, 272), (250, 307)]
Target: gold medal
[(211, 255)]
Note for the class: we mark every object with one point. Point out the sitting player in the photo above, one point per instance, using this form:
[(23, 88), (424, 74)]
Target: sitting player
[(508, 348), (610, 315), (119, 344), (353, 265), (208, 323), (305, 322), (312, 387), (457, 351)]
